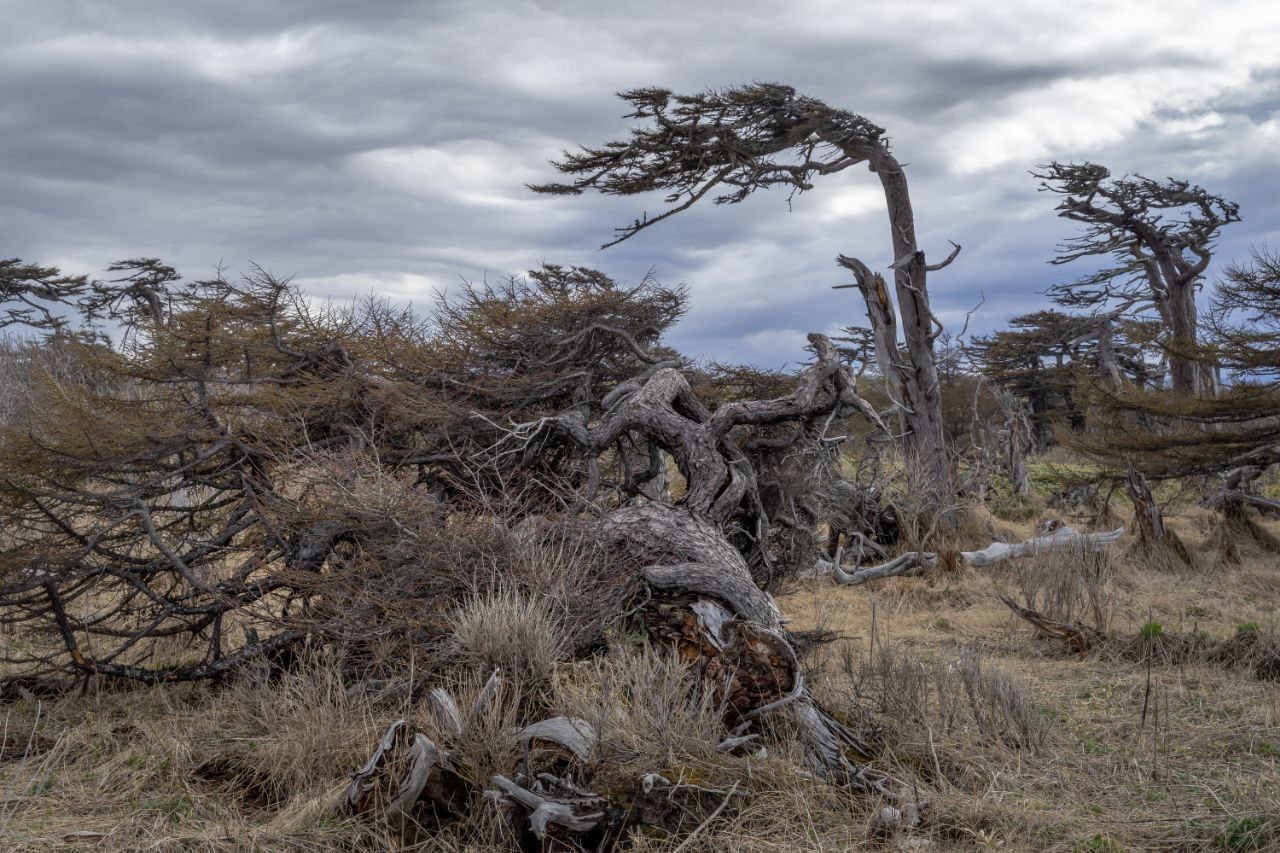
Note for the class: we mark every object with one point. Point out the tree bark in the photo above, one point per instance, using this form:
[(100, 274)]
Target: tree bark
[(1148, 519), (926, 440), (1108, 367), (732, 631), (1178, 309), (1017, 441)]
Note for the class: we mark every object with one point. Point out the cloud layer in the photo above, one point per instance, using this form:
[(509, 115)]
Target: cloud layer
[(383, 146)]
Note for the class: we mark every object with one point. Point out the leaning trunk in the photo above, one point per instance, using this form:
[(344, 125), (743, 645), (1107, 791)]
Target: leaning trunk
[(1149, 519)]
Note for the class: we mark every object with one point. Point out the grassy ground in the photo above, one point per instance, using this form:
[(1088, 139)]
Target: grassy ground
[(1199, 772), (1017, 744)]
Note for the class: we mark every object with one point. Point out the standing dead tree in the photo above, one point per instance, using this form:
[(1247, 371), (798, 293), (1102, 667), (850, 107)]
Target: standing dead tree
[(1017, 429), (726, 145)]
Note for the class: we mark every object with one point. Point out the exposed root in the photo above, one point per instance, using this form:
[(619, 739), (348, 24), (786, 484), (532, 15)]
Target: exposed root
[(1248, 649)]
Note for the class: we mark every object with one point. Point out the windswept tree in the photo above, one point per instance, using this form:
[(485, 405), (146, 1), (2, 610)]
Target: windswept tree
[(236, 459), (1235, 434), (725, 145), (1043, 356), (1157, 239), (36, 297)]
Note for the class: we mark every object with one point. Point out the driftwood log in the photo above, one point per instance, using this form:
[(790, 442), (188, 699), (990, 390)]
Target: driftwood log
[(920, 562)]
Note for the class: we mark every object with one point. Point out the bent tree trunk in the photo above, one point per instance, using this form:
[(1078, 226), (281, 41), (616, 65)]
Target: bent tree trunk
[(695, 595), (911, 381), (766, 135), (1148, 519), (729, 629), (1178, 312), (724, 624)]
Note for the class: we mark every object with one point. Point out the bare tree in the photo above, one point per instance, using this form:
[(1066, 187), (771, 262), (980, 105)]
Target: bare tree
[(1017, 428), (726, 145)]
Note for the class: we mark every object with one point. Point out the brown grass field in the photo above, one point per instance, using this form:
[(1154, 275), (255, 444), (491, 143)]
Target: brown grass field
[(1017, 743)]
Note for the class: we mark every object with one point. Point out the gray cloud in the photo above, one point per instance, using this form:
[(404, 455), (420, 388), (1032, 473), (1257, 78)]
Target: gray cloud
[(384, 145)]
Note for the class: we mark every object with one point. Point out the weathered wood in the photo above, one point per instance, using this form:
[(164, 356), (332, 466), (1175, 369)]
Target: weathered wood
[(911, 563), (577, 736), (733, 588), (1237, 494), (391, 782), (915, 563), (1148, 518), (1222, 499), (1017, 431), (488, 694), (1062, 539), (445, 710), (582, 814), (910, 382), (1081, 638)]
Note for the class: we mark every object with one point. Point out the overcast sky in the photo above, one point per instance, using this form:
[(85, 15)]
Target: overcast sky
[(379, 146)]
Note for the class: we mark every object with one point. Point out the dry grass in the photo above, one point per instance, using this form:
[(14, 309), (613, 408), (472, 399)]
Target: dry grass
[(1018, 745), (522, 634), (1070, 586), (1200, 772)]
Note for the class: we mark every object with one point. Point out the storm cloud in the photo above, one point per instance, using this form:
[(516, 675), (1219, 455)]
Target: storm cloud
[(384, 146)]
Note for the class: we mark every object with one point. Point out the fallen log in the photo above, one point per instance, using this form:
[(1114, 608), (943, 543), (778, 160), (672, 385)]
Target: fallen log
[(920, 562), (1062, 539), (1080, 638)]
